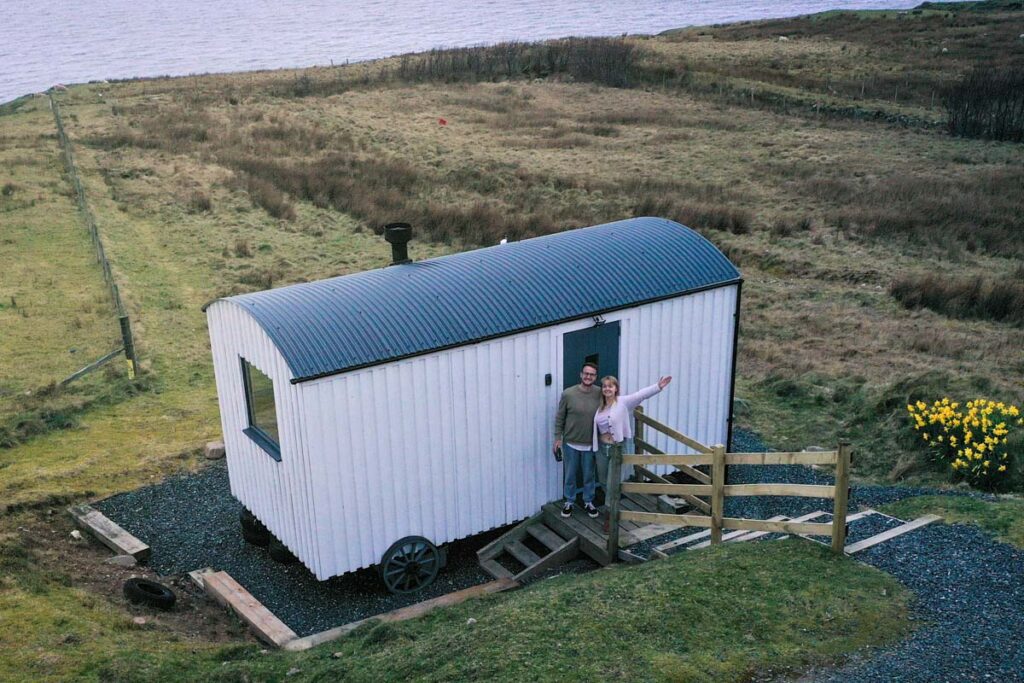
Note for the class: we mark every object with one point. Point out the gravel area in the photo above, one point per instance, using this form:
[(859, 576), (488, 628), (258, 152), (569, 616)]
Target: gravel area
[(969, 588), (970, 594), (191, 521)]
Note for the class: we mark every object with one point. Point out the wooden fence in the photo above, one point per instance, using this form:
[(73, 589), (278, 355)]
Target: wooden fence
[(716, 488), (128, 341)]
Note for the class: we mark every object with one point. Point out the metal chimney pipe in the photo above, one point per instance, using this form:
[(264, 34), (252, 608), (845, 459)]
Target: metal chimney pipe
[(398, 236)]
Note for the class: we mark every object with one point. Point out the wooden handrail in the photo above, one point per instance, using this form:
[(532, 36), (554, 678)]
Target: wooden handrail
[(671, 433)]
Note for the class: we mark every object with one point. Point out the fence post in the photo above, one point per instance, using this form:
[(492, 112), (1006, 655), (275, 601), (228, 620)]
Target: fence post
[(842, 498), (612, 499), (129, 346), (717, 492), (638, 435)]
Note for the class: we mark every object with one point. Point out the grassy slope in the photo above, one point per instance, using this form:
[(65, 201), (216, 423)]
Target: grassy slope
[(716, 615), (824, 350)]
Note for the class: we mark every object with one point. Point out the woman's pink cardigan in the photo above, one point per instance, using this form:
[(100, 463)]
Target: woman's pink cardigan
[(621, 413)]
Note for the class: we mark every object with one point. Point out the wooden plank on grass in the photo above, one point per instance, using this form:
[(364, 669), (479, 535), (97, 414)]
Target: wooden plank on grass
[(651, 530), (794, 458), (891, 533), (108, 533), (801, 490), (228, 592), (410, 612), (670, 489)]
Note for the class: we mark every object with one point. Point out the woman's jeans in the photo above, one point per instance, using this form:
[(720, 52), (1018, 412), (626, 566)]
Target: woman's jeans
[(572, 461), (604, 454)]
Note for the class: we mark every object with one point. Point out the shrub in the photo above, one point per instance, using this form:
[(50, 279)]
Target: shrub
[(977, 297), (199, 202), (973, 443), (987, 103)]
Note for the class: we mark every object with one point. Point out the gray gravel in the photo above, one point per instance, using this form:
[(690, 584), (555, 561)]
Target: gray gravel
[(191, 521), (969, 588)]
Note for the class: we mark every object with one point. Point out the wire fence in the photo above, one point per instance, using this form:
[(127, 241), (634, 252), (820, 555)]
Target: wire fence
[(101, 255)]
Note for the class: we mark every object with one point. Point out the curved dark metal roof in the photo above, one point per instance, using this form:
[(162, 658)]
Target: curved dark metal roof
[(331, 326)]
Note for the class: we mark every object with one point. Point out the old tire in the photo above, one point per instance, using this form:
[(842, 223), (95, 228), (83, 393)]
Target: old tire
[(410, 564), (253, 530), (280, 553), (150, 593)]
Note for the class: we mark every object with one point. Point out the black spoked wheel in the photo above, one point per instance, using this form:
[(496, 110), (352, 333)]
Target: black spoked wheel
[(410, 564)]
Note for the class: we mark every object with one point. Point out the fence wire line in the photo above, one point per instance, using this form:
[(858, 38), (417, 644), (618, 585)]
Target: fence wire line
[(94, 233)]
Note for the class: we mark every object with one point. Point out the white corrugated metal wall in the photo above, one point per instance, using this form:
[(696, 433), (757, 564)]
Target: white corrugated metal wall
[(453, 443), (280, 494)]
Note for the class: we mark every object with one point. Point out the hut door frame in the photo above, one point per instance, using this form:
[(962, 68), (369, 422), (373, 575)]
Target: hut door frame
[(599, 344)]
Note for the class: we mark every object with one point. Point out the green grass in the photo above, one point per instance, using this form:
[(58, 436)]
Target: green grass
[(713, 615), (1004, 517)]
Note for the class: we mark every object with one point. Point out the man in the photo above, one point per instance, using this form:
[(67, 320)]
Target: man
[(574, 434)]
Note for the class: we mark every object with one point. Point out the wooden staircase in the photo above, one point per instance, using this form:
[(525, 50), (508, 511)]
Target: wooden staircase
[(547, 539), (528, 549)]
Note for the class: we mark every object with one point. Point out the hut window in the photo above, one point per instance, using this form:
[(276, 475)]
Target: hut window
[(259, 401)]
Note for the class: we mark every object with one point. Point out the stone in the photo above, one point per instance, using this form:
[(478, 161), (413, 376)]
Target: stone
[(77, 535), (214, 450), (139, 621), (470, 621), (121, 561)]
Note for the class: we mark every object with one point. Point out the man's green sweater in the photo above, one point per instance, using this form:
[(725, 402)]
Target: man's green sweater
[(574, 419)]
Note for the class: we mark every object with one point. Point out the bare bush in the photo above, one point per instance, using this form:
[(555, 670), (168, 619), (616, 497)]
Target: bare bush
[(987, 103)]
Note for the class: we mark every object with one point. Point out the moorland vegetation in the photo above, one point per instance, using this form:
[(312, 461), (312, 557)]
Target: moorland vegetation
[(880, 241)]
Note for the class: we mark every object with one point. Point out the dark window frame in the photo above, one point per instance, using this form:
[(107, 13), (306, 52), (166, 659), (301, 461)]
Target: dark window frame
[(260, 437)]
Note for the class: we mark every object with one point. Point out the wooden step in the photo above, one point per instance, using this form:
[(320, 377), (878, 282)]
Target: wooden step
[(496, 570), (549, 538), (526, 557), (516, 533), (567, 551)]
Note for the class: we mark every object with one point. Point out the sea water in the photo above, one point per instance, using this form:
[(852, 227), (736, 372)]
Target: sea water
[(46, 43)]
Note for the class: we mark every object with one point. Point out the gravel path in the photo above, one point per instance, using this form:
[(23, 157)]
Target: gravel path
[(969, 588), (191, 521)]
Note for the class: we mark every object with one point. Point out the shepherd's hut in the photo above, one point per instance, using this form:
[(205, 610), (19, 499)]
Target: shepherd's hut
[(417, 400)]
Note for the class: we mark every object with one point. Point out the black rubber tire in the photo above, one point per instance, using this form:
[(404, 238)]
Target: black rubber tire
[(151, 593), (411, 564), (280, 553), (253, 530)]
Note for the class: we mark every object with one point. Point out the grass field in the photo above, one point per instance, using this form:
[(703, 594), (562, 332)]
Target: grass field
[(811, 150)]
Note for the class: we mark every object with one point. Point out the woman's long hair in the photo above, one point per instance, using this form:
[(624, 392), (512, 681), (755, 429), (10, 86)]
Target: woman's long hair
[(613, 380)]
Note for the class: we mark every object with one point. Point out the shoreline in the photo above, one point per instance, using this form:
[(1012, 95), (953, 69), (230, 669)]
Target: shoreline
[(485, 43)]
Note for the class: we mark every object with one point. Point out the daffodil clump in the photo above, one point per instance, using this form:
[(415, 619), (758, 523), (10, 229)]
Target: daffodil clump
[(973, 440)]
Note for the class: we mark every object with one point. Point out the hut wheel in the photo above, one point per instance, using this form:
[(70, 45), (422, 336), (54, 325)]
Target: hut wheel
[(410, 564)]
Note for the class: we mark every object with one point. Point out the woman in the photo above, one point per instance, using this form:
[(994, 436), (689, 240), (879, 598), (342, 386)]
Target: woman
[(613, 422)]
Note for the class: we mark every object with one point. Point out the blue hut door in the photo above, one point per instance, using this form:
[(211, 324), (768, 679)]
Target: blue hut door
[(598, 344)]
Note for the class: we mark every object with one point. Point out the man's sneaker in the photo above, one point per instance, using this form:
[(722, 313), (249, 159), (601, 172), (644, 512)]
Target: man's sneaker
[(591, 510), (567, 509)]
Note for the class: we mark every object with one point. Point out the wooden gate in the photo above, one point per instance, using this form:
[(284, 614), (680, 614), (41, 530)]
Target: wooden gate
[(715, 487)]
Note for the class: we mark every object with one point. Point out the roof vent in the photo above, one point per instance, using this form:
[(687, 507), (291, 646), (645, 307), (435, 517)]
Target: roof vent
[(398, 235)]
